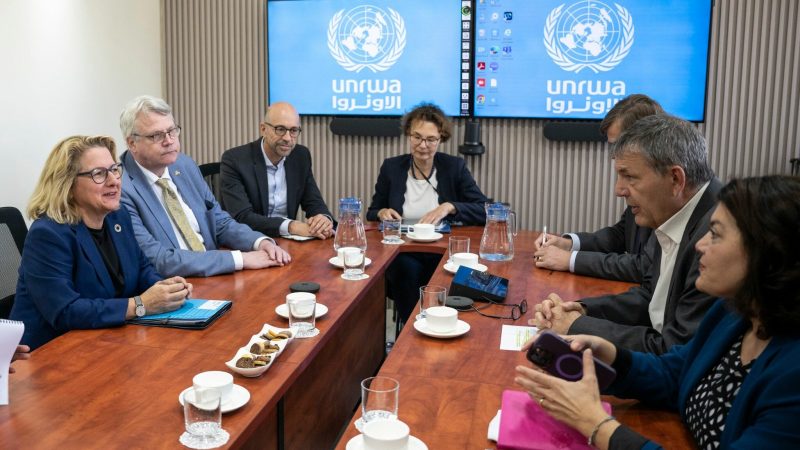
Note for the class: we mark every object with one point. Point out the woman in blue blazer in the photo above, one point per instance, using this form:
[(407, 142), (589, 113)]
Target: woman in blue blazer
[(425, 186), (81, 266), (735, 383)]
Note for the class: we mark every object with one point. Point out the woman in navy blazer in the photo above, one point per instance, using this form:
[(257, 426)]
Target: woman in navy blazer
[(427, 187), (81, 266), (735, 383)]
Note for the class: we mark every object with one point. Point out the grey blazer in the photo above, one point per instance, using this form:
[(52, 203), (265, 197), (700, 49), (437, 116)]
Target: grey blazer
[(615, 252), (623, 318)]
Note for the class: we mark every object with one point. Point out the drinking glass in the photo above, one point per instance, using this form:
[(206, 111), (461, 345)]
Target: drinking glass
[(353, 263), (457, 244), (202, 413), (379, 398), (429, 296), (391, 231), (302, 319)]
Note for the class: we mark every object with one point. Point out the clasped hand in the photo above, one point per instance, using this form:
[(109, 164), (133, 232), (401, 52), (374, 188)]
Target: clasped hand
[(555, 314)]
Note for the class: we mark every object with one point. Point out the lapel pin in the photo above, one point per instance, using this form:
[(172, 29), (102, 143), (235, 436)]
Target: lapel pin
[(177, 172), (118, 228)]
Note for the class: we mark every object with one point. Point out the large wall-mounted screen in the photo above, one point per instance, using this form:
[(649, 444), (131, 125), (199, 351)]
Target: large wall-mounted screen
[(377, 57), (575, 59)]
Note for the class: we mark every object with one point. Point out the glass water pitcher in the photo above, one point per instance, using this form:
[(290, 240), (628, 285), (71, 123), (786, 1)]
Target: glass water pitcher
[(497, 243)]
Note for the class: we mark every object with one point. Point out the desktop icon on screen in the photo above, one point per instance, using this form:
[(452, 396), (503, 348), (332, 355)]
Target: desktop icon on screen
[(481, 65), (481, 99), (494, 66), (481, 82), (508, 16)]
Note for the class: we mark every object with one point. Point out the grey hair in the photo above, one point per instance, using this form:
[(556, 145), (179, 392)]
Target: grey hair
[(665, 141), (143, 103)]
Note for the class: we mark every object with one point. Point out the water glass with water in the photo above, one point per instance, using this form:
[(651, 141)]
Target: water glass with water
[(391, 231), (302, 317), (457, 244), (202, 412), (380, 398), (353, 262), (430, 296)]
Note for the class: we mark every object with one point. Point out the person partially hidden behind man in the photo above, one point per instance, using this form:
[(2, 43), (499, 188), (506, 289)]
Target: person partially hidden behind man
[(663, 174), (178, 223), (264, 182), (615, 252)]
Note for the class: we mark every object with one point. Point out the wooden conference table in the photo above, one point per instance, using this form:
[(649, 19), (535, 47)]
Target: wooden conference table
[(119, 387)]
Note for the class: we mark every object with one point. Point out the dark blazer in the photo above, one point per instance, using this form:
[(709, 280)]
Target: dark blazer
[(765, 411), (615, 252), (245, 190), (454, 183), (64, 284), (153, 228), (624, 319)]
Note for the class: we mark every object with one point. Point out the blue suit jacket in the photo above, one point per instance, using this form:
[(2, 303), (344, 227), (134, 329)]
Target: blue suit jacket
[(766, 411), (454, 183), (63, 281), (154, 232)]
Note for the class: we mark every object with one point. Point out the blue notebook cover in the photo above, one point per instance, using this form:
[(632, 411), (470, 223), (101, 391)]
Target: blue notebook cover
[(195, 313)]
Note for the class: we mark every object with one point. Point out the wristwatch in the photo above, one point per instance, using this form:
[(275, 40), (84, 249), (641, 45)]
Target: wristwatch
[(140, 311)]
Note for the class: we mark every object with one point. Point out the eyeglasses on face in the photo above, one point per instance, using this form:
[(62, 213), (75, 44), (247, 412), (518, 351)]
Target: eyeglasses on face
[(100, 174), (158, 137), (281, 130), (417, 140), (517, 310)]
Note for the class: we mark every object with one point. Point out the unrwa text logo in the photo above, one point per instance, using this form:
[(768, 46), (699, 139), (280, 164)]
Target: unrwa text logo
[(588, 34), (366, 37)]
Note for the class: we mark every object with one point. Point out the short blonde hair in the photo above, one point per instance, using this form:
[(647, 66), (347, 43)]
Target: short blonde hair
[(53, 193)]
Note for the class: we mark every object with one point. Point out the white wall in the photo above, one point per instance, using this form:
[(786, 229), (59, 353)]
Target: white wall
[(68, 67)]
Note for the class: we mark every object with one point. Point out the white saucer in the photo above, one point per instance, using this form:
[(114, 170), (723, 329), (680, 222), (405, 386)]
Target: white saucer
[(357, 443), (434, 237), (461, 328), (283, 310), (239, 397), (452, 268), (338, 262)]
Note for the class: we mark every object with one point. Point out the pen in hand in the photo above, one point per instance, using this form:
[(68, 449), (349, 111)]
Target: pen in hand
[(544, 235)]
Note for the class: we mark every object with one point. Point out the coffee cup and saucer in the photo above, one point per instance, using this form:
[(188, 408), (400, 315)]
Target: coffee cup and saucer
[(424, 232), (233, 395), (441, 322), (464, 259), (385, 434)]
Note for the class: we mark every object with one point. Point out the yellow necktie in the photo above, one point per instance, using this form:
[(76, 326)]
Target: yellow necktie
[(179, 217)]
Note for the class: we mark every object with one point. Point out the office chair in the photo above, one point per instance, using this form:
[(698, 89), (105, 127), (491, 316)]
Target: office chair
[(795, 166), (12, 238), (210, 172)]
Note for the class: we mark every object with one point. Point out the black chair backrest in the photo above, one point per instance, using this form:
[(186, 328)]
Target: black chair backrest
[(12, 238), (210, 172), (795, 166)]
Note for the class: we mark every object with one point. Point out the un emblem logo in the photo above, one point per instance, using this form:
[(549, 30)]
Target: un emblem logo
[(589, 35), (366, 37)]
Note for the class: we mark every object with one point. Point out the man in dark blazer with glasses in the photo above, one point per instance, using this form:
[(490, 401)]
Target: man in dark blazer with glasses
[(265, 182)]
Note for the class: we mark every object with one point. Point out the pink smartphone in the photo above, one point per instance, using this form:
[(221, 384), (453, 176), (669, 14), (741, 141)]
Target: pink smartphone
[(552, 353)]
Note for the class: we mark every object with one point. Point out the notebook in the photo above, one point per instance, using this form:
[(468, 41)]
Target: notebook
[(10, 335), (524, 425), (194, 314)]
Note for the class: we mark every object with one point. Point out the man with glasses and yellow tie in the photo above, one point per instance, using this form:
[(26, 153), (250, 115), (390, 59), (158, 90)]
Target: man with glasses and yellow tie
[(266, 181), (177, 221)]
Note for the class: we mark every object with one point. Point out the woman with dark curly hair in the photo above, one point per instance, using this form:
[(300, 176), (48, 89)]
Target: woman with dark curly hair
[(736, 382), (425, 186)]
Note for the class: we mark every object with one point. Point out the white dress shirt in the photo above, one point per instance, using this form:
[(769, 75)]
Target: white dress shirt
[(420, 197), (276, 180), (669, 236)]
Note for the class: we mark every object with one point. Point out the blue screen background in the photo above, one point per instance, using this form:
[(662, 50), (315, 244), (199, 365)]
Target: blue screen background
[(667, 60), (301, 68)]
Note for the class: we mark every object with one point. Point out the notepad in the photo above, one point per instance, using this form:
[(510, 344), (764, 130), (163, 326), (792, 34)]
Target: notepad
[(194, 314), (10, 335)]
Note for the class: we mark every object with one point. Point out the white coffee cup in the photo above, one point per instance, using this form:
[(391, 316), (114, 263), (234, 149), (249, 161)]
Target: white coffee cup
[(215, 379), (424, 230), (307, 308), (465, 259), (385, 434), (441, 319)]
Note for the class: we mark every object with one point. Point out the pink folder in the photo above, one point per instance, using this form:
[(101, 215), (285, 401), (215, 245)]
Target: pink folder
[(524, 425)]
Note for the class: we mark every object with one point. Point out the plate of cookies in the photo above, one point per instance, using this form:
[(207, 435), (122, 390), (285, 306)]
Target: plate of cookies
[(255, 358)]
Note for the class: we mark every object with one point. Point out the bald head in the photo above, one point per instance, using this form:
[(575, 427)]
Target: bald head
[(280, 129)]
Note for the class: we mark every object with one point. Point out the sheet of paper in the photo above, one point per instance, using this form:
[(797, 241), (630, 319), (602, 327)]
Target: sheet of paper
[(10, 335), (513, 337)]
